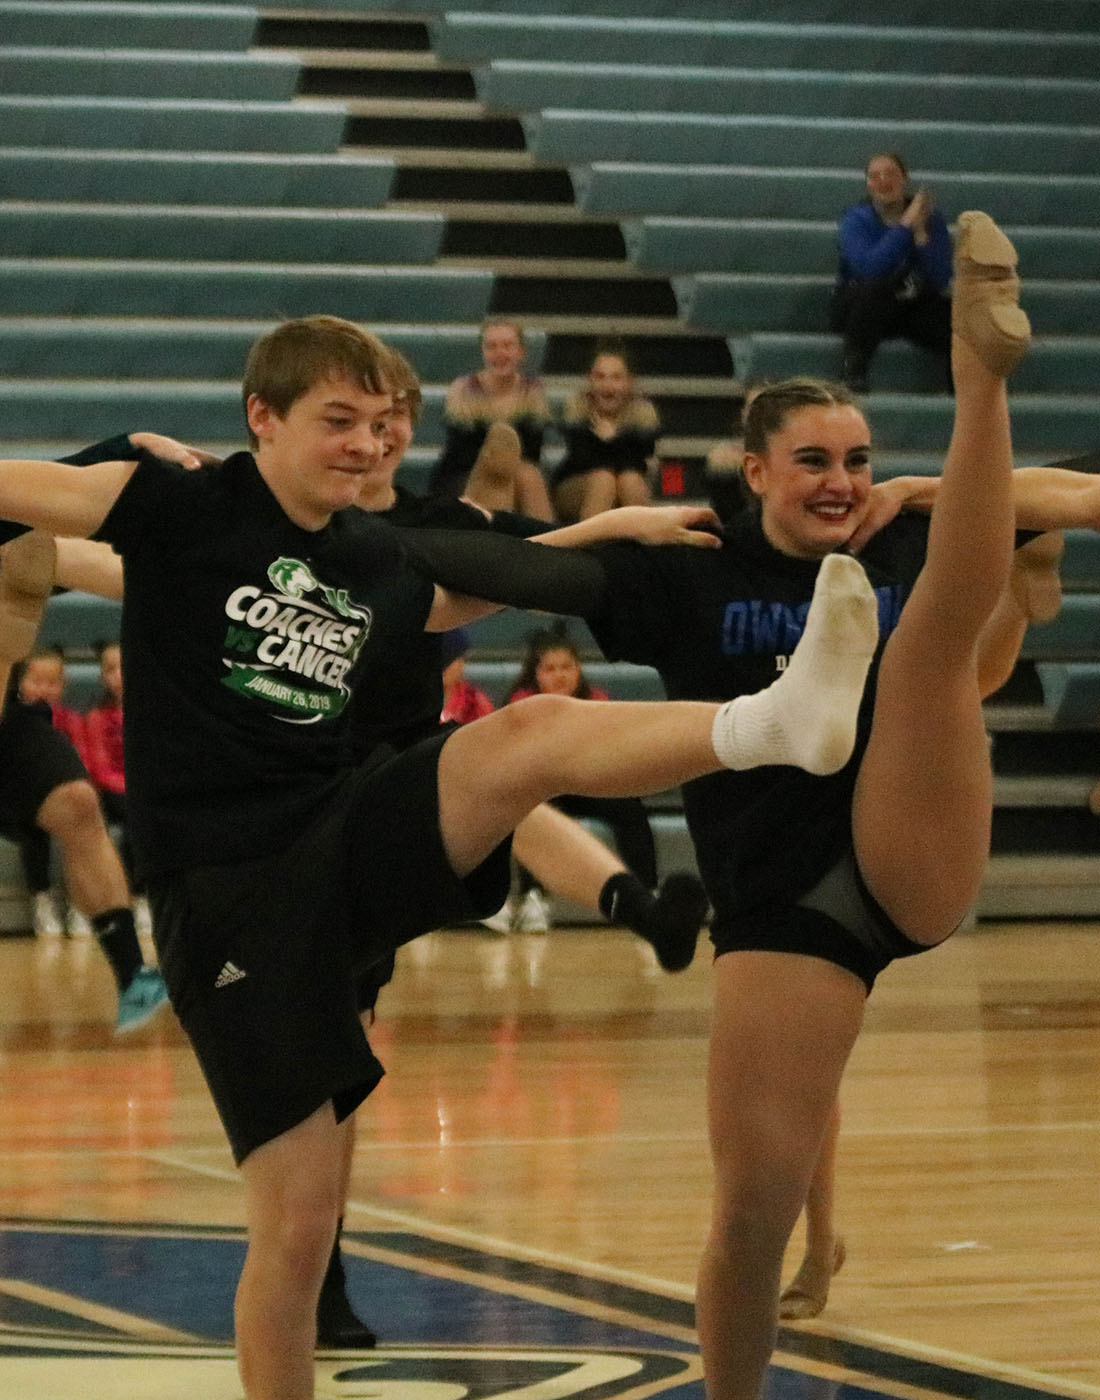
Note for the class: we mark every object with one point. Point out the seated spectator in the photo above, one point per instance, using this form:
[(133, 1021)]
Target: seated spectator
[(463, 701), (895, 269), (610, 433), (499, 392), (42, 679), (552, 666), (102, 754)]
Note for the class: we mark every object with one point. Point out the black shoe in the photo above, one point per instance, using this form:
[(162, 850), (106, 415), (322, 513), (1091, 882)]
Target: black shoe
[(676, 920), (337, 1324)]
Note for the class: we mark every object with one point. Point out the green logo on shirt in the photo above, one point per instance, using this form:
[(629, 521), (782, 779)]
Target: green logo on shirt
[(299, 648)]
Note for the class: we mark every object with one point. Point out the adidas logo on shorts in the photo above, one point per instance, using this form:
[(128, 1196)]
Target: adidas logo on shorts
[(229, 973)]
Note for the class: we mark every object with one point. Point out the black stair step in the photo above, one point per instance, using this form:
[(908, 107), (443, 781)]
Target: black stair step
[(409, 84), (316, 32), (1045, 830), (482, 185), (449, 133), (1023, 687), (648, 354), (684, 415), (1051, 752), (509, 239), (583, 296)]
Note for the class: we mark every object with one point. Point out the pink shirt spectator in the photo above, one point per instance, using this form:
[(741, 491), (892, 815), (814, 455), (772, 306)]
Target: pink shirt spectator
[(102, 751)]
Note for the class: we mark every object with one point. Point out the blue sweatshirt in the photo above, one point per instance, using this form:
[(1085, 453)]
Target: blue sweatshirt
[(871, 250)]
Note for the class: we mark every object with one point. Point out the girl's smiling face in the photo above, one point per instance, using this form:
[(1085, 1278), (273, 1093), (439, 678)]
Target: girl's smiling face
[(813, 479)]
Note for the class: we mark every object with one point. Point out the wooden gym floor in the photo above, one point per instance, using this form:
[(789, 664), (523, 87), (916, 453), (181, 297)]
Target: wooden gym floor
[(531, 1186)]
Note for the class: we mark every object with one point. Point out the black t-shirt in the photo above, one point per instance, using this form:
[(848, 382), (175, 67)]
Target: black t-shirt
[(721, 623), (243, 638), (403, 695)]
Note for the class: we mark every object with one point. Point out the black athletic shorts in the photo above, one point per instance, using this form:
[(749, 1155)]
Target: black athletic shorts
[(262, 957), (35, 758), (838, 920)]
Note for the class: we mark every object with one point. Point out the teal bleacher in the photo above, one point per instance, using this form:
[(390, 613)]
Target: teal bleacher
[(196, 177), (796, 192), (519, 85), (575, 39), (163, 74), (220, 27), (62, 348), (169, 124)]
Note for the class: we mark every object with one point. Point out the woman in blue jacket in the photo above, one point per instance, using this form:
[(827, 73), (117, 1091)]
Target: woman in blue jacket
[(895, 269)]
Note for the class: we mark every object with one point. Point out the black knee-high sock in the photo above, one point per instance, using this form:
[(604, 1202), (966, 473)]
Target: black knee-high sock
[(118, 939)]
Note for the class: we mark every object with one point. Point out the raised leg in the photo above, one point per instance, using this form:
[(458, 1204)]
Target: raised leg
[(923, 803)]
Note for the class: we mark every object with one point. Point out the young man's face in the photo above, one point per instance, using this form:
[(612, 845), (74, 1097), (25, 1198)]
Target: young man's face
[(317, 457)]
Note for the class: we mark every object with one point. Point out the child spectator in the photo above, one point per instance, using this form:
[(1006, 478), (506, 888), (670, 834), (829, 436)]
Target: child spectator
[(463, 701), (42, 679), (552, 667), (610, 433)]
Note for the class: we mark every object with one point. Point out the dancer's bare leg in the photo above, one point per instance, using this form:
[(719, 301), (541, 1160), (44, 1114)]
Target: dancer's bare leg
[(27, 566), (784, 1025), (927, 764), (493, 482), (532, 496), (580, 497), (292, 1195), (496, 770), (563, 857), (808, 1292)]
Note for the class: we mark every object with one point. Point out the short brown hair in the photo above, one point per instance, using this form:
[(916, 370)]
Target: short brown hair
[(288, 361), (771, 407), (406, 384)]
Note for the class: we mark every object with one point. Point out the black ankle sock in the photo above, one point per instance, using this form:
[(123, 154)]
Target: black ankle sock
[(118, 939), (625, 900)]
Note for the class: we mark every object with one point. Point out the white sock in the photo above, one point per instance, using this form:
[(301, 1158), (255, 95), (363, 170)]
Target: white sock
[(807, 718)]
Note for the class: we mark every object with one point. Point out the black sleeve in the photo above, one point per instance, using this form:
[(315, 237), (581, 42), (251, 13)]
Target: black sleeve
[(113, 449), (508, 522), (510, 571)]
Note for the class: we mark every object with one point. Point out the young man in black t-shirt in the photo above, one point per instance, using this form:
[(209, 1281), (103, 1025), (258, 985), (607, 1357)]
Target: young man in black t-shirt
[(279, 862)]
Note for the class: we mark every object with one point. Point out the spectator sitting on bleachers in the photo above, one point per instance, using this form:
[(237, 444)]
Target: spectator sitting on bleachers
[(102, 754), (499, 392), (610, 433), (551, 666), (42, 678), (894, 273), (463, 701)]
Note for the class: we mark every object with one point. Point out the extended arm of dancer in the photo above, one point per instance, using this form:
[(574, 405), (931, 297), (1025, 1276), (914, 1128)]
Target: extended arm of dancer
[(63, 500), (1046, 498)]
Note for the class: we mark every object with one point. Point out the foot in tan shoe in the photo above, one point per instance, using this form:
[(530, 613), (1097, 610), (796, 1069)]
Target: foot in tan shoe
[(27, 567), (808, 1292), (985, 312), (492, 481), (1036, 581)]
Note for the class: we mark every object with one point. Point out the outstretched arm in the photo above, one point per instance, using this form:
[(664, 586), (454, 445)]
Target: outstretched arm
[(90, 566), (1046, 498), (61, 499), (691, 525)]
